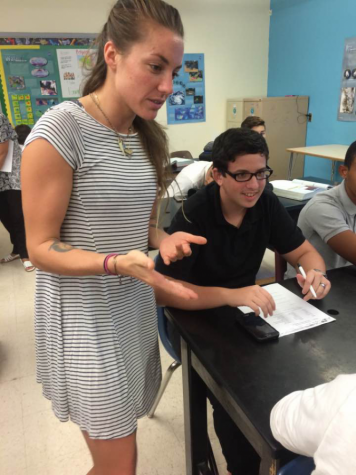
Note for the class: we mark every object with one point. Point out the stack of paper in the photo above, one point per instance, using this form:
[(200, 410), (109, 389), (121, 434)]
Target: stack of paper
[(297, 189), (7, 165), (292, 314)]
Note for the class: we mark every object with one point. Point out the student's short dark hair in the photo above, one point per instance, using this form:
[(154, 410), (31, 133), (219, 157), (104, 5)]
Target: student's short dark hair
[(350, 155), (252, 121), (22, 132), (234, 143)]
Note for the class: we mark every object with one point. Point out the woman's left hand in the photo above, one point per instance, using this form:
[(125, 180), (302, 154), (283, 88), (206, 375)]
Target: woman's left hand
[(177, 245)]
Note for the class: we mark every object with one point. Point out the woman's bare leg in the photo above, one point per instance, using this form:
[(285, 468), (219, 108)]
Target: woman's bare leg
[(114, 456)]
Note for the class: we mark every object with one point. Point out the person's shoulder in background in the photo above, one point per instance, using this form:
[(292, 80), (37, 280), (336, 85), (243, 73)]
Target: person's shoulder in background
[(191, 177)]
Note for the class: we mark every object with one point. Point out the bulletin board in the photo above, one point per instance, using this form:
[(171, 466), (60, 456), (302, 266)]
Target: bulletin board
[(187, 102), (37, 73)]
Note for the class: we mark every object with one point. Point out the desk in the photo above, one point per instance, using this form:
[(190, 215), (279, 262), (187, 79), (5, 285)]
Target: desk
[(333, 152), (248, 378)]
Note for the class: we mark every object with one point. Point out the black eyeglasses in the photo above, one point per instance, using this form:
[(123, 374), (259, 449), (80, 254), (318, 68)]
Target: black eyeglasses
[(247, 176)]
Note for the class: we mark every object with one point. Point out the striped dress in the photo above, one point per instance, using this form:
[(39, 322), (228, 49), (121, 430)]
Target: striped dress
[(96, 339)]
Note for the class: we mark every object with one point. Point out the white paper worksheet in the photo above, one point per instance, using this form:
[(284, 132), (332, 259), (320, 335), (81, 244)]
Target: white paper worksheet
[(292, 314), (7, 166)]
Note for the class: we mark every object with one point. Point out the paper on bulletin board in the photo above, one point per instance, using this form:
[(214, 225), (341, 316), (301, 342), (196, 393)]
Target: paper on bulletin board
[(347, 103), (7, 166), (71, 65), (187, 103)]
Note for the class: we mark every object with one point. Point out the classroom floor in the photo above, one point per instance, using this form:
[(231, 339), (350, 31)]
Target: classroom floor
[(33, 441)]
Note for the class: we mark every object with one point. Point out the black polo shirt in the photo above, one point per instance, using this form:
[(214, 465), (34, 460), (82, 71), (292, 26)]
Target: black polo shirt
[(232, 256)]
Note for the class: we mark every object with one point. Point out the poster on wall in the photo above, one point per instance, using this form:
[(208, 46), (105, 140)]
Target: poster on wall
[(72, 64), (187, 102), (347, 103)]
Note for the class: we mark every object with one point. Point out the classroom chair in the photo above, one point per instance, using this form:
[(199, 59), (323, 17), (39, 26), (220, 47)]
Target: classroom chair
[(280, 266), (163, 334), (298, 466), (181, 154), (162, 330)]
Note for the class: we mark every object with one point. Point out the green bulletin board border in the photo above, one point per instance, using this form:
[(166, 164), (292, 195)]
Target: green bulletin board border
[(46, 44)]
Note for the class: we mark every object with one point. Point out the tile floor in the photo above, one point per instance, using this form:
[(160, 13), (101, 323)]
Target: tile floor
[(33, 441)]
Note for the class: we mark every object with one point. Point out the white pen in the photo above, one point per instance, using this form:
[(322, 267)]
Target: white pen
[(302, 271)]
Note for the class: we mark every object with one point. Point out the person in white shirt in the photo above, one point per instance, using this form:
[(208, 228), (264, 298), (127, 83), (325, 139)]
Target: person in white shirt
[(193, 176), (320, 422)]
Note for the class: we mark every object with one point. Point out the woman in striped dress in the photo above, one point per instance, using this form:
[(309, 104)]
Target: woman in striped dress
[(91, 170)]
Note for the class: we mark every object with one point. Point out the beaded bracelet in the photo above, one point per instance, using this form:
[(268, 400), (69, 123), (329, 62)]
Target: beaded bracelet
[(106, 268)]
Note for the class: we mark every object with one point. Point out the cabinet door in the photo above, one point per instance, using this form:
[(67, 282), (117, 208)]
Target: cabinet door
[(286, 126), (234, 113)]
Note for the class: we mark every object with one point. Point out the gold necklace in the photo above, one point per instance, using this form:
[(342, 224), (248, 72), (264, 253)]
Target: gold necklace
[(125, 149)]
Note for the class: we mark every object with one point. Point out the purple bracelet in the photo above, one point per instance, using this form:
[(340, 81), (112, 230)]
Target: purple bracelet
[(106, 268)]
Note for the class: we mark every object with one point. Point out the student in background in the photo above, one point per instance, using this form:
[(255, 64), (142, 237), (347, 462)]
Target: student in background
[(239, 222), (320, 422), (328, 220), (192, 177), (255, 123), (96, 166), (23, 132), (11, 214)]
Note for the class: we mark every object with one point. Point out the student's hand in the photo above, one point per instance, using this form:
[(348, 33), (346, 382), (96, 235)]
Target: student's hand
[(137, 264), (320, 284), (255, 297), (177, 246)]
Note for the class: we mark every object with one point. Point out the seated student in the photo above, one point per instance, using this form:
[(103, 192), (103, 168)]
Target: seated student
[(320, 422), (192, 177), (328, 221), (255, 123), (239, 221), (23, 132), (206, 154)]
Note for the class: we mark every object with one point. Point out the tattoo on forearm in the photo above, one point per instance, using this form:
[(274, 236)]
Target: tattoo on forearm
[(60, 246)]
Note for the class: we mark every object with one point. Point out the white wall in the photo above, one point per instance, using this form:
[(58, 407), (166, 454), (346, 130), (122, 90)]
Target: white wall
[(233, 35)]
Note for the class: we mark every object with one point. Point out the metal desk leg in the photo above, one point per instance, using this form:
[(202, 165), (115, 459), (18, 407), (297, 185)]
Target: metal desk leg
[(269, 466), (195, 417), (290, 166), (332, 172)]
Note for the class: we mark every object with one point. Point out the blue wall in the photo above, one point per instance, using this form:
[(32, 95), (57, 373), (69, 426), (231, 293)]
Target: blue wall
[(305, 58)]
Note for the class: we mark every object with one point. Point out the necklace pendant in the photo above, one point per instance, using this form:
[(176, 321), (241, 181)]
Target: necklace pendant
[(128, 152), (121, 145)]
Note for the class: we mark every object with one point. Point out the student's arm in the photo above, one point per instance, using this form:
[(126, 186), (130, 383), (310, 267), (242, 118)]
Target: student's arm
[(254, 296), (314, 267), (308, 422), (344, 244), (298, 421), (4, 147), (46, 190)]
